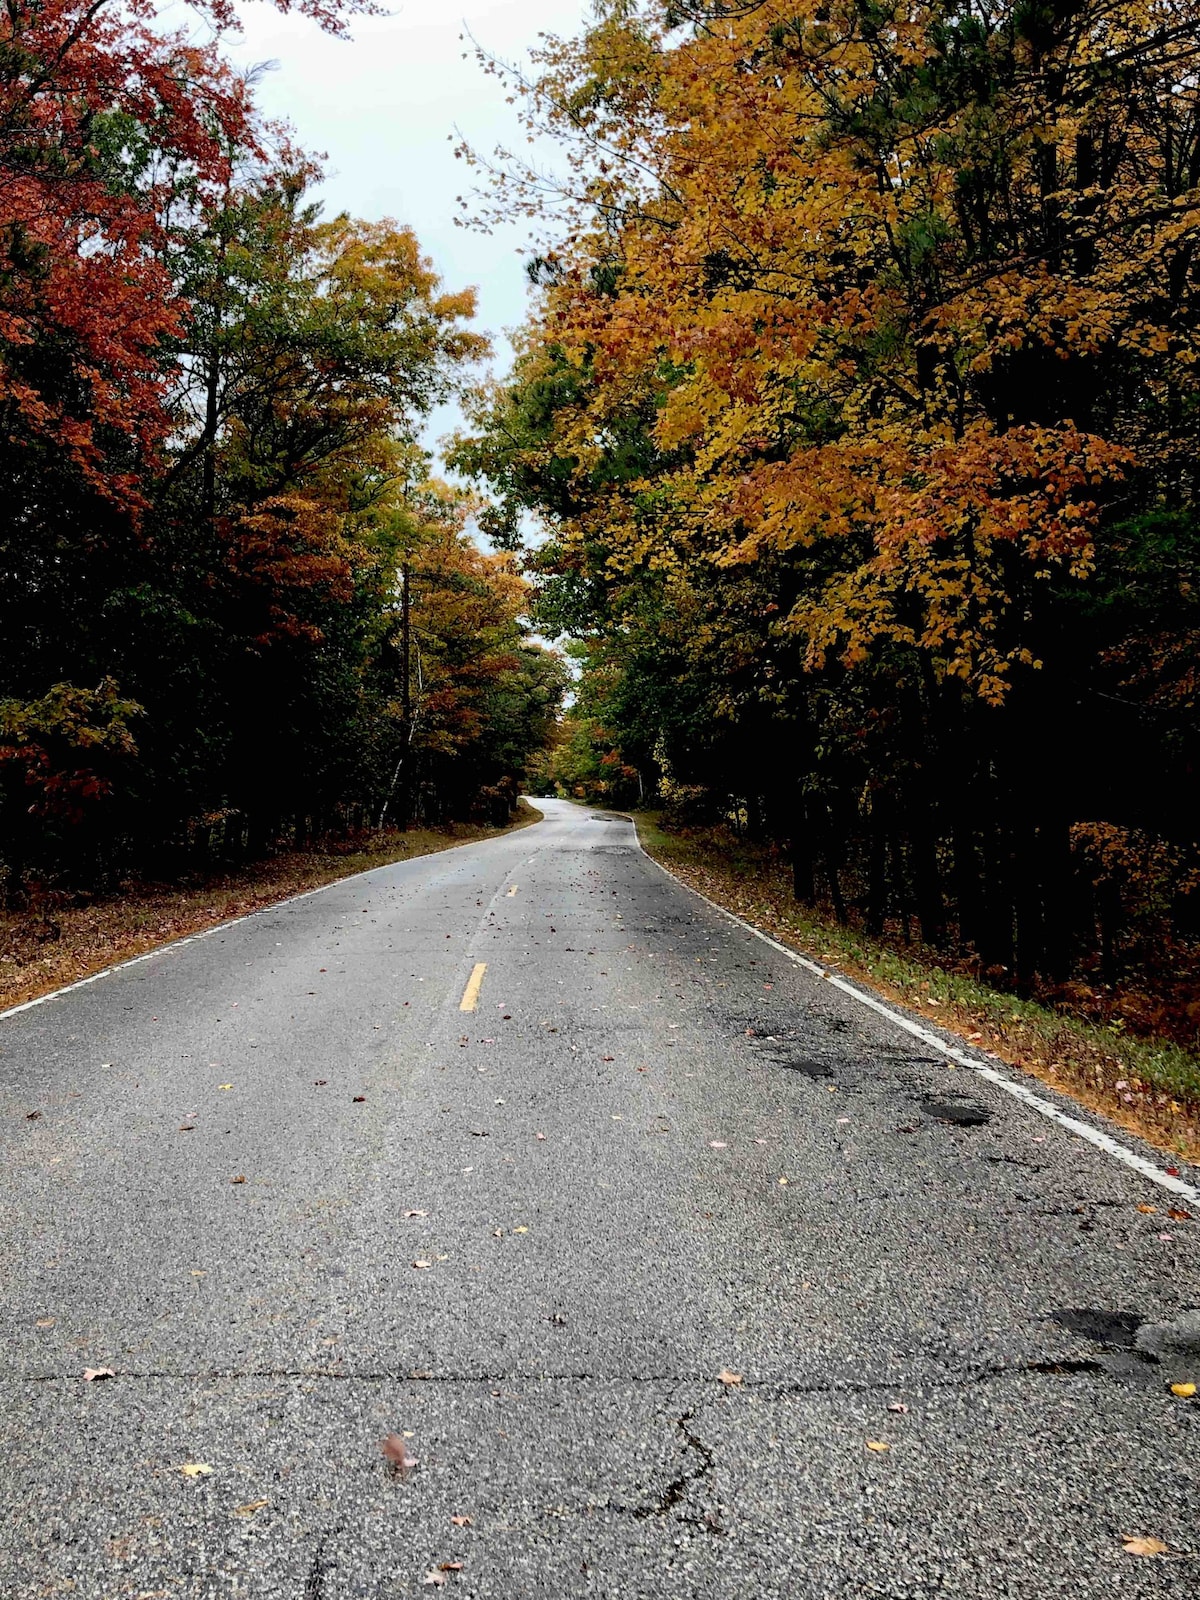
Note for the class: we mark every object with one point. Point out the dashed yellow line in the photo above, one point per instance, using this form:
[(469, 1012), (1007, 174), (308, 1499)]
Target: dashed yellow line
[(470, 997)]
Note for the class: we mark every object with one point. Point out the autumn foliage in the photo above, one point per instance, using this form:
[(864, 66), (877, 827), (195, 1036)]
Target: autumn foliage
[(233, 608), (859, 408)]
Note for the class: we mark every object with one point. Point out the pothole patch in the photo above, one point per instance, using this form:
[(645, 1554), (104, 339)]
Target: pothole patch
[(958, 1113)]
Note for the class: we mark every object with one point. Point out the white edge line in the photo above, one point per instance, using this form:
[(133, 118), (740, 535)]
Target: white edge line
[(222, 927), (1019, 1091)]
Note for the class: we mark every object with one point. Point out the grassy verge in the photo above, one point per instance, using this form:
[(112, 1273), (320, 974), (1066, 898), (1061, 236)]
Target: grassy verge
[(1148, 1086), (56, 945)]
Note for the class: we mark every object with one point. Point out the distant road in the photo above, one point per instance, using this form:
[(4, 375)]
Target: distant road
[(297, 1198)]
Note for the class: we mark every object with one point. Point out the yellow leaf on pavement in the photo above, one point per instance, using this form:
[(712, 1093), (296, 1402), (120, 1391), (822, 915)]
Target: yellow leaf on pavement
[(877, 1444), (1145, 1547), (196, 1469), (1185, 1391)]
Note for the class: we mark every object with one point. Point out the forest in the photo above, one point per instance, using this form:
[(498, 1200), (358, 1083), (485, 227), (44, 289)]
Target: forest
[(857, 411), (237, 609)]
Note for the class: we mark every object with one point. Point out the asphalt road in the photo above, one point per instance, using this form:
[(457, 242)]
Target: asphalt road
[(656, 1151)]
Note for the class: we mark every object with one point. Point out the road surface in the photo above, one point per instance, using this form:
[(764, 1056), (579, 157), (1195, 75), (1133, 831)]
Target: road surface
[(297, 1199)]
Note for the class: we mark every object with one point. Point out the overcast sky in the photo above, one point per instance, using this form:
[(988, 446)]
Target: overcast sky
[(384, 108)]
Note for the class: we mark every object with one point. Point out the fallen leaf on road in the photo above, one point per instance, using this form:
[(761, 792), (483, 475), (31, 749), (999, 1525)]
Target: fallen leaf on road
[(479, 1133), (358, 1099), (897, 1405), (395, 1453), (450, 1566), (539, 1135), (239, 1179), (416, 1213), (497, 1233), (717, 1144), (420, 1264), (731, 1380), (433, 1576), (1145, 1547), (1177, 1215), (45, 1322), (188, 1127), (1147, 1211), (94, 1374), (608, 1058), (1185, 1391), (521, 1230), (249, 1508), (32, 1116), (461, 1522), (196, 1469), (222, 1086), (783, 1183), (320, 1083), (877, 1445), (1172, 1172)]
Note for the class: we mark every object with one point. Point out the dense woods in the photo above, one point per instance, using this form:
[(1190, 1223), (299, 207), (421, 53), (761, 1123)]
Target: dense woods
[(234, 609), (859, 411)]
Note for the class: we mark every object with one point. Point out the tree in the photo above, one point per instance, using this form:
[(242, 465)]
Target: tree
[(860, 385)]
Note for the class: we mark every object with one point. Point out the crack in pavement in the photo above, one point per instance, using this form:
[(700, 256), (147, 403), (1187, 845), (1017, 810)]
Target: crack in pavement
[(1053, 1366)]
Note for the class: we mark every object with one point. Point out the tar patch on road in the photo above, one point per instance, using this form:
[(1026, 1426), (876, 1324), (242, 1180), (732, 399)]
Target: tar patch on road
[(957, 1111)]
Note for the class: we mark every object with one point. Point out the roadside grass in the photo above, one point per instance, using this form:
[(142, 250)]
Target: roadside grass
[(1148, 1086), (53, 945)]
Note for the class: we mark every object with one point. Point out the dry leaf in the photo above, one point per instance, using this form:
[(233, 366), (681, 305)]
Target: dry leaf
[(46, 1322), (1145, 1547), (359, 1099), (421, 1265), (433, 1576), (416, 1213), (1185, 1391), (450, 1566), (395, 1452), (224, 1086), (897, 1405), (1176, 1214), (1147, 1211), (249, 1508), (877, 1445), (520, 1230), (731, 1380), (461, 1522), (717, 1144), (239, 1179), (94, 1374), (196, 1469)]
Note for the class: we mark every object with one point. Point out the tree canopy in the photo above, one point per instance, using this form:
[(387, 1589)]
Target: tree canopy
[(858, 409)]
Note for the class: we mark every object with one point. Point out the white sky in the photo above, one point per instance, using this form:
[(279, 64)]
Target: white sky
[(384, 108)]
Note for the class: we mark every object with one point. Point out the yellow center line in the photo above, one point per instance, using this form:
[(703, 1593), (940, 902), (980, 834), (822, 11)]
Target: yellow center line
[(470, 997)]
